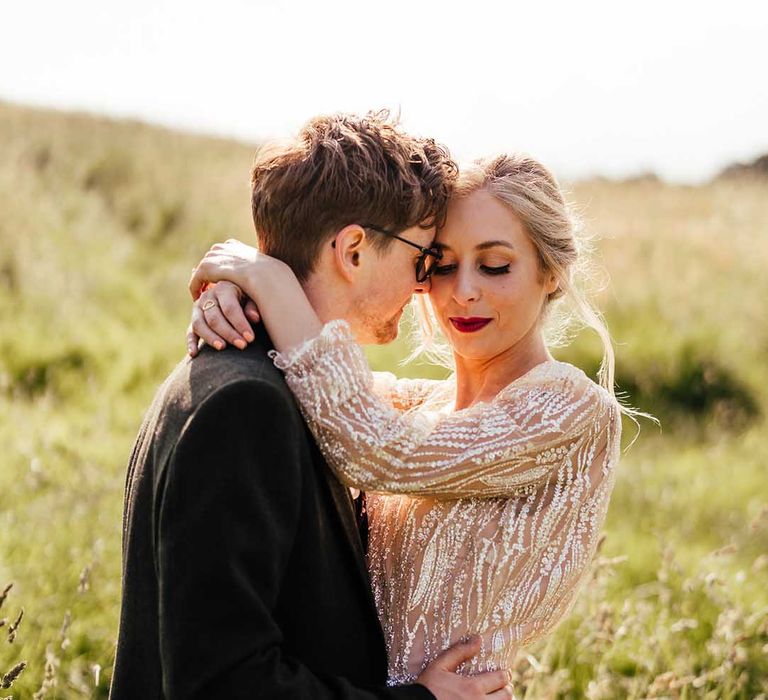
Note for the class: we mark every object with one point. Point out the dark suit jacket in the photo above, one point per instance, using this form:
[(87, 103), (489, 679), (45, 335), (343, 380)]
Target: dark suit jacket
[(243, 572)]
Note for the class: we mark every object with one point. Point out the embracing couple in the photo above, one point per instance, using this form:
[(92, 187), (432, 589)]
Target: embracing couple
[(298, 526)]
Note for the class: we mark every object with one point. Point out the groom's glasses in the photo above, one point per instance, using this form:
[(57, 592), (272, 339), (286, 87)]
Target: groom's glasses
[(425, 263)]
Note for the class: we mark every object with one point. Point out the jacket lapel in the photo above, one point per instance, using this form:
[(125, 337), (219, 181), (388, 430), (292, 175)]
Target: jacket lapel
[(345, 508)]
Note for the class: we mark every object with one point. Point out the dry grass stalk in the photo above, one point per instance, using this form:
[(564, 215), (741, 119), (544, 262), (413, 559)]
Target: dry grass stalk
[(5, 593), (85, 580), (49, 679), (9, 678), (14, 627), (63, 634)]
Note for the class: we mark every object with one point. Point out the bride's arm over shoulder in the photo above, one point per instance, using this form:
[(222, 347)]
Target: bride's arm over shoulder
[(553, 414)]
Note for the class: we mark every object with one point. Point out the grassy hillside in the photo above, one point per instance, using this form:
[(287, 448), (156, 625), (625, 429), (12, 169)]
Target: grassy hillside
[(101, 223)]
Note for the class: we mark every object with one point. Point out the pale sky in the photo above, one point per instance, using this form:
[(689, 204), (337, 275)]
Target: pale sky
[(616, 88)]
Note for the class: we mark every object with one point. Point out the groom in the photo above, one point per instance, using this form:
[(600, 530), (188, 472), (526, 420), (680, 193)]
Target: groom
[(243, 568)]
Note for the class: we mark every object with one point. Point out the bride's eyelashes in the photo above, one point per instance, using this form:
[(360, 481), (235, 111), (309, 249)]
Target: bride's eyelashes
[(442, 270), (500, 270)]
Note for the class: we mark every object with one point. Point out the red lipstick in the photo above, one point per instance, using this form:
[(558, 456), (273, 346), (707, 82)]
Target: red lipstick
[(469, 325)]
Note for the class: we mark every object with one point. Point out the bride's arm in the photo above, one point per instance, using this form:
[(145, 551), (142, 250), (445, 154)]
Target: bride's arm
[(229, 311), (228, 321), (551, 420), (403, 394), (495, 449)]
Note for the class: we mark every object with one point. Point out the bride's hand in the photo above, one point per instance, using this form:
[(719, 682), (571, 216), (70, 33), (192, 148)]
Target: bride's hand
[(283, 305), (232, 260), (219, 317)]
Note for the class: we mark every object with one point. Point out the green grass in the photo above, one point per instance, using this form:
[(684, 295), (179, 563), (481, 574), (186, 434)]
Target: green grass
[(101, 224)]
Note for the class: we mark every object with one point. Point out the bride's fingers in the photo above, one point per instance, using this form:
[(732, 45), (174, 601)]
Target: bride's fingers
[(251, 311), (193, 342), (218, 324), (208, 271), (196, 283), (200, 326), (228, 297), (202, 331)]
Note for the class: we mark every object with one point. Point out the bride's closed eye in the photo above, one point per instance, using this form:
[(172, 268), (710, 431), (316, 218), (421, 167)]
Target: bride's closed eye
[(499, 270), (442, 270)]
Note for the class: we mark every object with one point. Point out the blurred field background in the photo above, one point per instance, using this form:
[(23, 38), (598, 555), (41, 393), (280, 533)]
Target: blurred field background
[(101, 223)]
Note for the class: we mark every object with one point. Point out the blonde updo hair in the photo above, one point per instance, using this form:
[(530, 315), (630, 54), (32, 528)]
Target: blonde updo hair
[(531, 191)]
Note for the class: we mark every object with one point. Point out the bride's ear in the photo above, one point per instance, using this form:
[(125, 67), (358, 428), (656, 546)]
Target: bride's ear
[(551, 283), (348, 246)]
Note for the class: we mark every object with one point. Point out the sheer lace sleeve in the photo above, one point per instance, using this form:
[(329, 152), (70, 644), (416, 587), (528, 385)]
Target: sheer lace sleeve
[(506, 447), (402, 394)]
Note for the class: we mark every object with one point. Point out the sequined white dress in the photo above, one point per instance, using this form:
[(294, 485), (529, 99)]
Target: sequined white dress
[(482, 520)]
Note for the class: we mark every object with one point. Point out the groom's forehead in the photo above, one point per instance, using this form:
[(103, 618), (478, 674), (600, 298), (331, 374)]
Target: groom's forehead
[(422, 236)]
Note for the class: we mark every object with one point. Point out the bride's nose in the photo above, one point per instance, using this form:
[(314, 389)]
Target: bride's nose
[(466, 288)]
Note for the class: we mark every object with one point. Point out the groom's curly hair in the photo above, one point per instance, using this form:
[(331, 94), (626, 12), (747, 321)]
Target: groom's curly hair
[(346, 169)]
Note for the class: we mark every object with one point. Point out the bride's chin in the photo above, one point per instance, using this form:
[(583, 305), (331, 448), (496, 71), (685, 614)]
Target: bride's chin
[(468, 350)]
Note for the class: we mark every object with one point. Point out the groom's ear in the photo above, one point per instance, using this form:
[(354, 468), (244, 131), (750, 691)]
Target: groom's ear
[(348, 247)]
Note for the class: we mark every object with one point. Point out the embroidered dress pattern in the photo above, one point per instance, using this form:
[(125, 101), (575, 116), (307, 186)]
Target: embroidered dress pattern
[(482, 521)]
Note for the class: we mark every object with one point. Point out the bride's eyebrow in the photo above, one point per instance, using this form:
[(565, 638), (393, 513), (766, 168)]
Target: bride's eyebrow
[(493, 244), (442, 247)]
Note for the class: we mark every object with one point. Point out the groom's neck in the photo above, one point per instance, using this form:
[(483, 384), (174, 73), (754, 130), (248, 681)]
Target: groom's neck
[(329, 299)]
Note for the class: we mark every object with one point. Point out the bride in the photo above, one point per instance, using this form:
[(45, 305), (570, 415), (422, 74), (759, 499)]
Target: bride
[(486, 492)]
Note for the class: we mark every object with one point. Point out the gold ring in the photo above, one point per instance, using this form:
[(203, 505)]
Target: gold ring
[(209, 304)]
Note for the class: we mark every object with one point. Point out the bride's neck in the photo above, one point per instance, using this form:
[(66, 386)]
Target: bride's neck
[(481, 379)]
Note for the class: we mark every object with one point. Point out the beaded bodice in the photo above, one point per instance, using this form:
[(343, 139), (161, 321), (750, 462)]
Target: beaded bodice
[(482, 520)]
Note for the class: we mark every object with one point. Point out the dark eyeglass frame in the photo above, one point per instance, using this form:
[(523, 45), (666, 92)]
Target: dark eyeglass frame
[(423, 272)]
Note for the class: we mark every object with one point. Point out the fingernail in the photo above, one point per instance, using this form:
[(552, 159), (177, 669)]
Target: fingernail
[(248, 336), (218, 345), (240, 344)]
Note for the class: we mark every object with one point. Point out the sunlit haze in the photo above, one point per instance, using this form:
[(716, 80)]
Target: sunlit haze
[(678, 88)]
